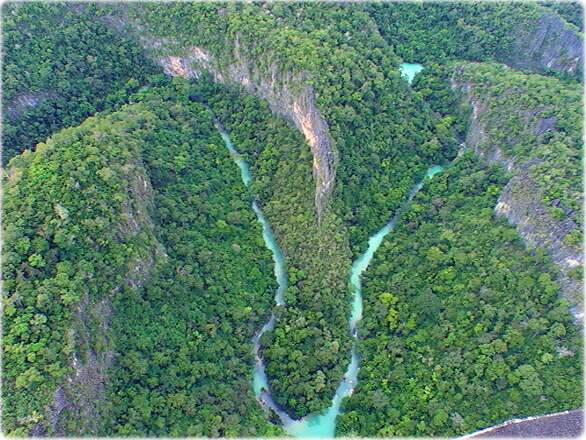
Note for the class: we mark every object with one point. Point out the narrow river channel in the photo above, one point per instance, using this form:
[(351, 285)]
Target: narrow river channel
[(323, 424)]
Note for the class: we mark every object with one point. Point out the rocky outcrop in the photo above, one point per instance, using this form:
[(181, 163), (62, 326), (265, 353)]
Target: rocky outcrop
[(83, 392), (522, 200), (548, 43), (288, 95), (25, 101)]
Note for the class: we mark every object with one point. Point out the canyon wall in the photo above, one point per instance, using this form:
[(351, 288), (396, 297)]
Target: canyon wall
[(288, 96), (522, 201), (549, 43)]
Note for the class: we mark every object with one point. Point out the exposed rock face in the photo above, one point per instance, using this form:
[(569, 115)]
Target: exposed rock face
[(287, 95), (27, 100), (522, 202), (83, 392), (549, 44)]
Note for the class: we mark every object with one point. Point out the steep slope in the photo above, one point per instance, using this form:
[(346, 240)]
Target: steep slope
[(185, 361), (293, 55), (463, 328), (546, 44), (65, 259), (523, 35), (542, 148), (135, 278)]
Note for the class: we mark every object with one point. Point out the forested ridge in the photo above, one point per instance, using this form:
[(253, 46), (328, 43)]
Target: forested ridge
[(61, 65), (60, 250), (485, 31), (185, 360), (462, 328), (341, 52), (134, 268), (197, 376)]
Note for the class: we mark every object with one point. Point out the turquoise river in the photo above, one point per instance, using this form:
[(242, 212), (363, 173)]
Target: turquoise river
[(323, 424)]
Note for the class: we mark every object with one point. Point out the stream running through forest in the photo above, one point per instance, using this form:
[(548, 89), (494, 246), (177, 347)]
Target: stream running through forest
[(322, 424)]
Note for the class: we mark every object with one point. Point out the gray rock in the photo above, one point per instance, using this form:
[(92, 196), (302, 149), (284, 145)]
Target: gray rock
[(548, 44), (522, 201)]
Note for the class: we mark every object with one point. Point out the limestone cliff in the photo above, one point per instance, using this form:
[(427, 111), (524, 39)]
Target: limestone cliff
[(548, 43), (522, 199), (288, 95)]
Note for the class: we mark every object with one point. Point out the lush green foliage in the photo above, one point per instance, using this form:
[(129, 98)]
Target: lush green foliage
[(537, 118), (143, 211), (462, 328), (375, 121), (184, 358), (433, 31), (307, 352), (184, 341), (60, 249), (61, 64)]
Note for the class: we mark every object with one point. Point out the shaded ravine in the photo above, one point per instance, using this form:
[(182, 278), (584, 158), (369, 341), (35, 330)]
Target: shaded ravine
[(322, 424), (260, 381)]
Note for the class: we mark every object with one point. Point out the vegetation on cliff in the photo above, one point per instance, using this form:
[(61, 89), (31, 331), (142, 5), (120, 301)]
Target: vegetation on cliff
[(374, 120), (462, 327), (185, 357), (182, 341), (536, 119), (481, 31), (60, 65)]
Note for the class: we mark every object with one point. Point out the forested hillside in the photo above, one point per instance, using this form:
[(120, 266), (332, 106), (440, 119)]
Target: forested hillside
[(63, 255), (137, 274), (61, 65), (462, 327), (372, 117), (65, 249)]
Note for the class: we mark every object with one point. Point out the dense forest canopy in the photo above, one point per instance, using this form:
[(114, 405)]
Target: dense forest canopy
[(135, 272), (461, 325), (61, 64)]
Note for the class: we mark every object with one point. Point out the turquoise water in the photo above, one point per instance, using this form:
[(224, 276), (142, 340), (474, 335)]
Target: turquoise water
[(408, 71), (321, 425), (324, 425), (244, 170), (260, 382)]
